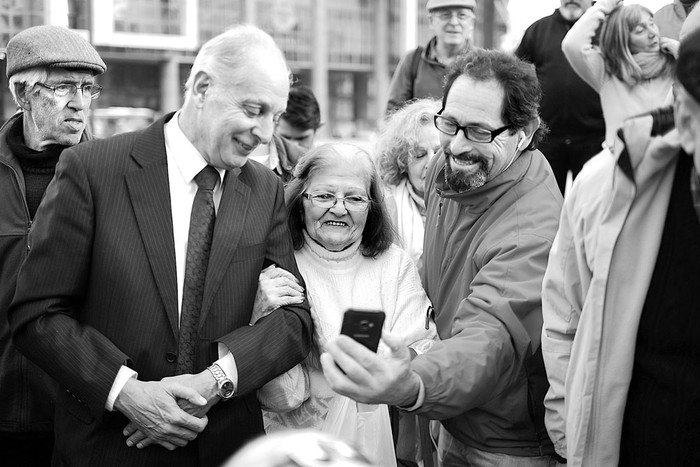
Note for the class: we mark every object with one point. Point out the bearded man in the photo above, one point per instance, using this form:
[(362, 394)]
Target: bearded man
[(493, 208)]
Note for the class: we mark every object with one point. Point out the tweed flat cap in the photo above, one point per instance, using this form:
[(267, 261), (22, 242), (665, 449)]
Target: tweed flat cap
[(51, 46), (688, 64), (435, 4)]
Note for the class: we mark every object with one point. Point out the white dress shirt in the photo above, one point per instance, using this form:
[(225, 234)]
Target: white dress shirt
[(184, 163)]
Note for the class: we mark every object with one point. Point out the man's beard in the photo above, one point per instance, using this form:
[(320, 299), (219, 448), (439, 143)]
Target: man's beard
[(461, 182)]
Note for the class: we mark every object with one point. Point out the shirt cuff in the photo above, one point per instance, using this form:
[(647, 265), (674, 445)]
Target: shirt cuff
[(419, 400), (228, 365), (125, 373)]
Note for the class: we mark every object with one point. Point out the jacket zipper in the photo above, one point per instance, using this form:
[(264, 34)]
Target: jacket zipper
[(24, 203), (22, 412)]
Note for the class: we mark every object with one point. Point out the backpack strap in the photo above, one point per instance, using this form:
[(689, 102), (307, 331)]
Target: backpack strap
[(414, 63)]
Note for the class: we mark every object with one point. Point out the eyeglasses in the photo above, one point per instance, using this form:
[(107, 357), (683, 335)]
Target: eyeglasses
[(472, 133), (67, 89), (464, 14), (327, 200)]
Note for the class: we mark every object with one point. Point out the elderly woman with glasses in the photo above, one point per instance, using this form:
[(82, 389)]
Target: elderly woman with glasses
[(342, 235)]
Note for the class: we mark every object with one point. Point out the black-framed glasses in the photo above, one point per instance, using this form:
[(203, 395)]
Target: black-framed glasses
[(324, 200), (462, 14), (69, 89), (472, 133)]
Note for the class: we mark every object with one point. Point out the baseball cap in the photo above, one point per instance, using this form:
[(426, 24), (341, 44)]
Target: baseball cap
[(435, 4)]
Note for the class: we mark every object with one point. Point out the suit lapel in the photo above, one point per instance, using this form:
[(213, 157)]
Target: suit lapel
[(149, 191), (230, 220)]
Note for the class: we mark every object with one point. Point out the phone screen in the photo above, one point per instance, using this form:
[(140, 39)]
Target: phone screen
[(365, 326)]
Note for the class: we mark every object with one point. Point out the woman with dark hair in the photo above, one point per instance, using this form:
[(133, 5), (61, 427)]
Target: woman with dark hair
[(631, 68), (342, 237)]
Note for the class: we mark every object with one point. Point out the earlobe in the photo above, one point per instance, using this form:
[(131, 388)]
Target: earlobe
[(22, 101), (685, 123), (522, 140), (200, 86), (686, 134)]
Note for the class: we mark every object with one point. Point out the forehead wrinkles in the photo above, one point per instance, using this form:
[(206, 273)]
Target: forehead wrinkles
[(475, 102), (69, 76)]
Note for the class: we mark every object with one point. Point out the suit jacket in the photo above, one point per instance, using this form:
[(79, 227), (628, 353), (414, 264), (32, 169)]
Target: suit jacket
[(98, 291)]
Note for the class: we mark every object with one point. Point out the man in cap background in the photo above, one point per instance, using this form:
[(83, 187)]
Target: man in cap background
[(622, 283), (422, 71), (51, 73)]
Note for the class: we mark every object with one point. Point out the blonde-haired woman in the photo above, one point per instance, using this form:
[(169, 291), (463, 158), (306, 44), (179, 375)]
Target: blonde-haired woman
[(631, 68), (407, 142)]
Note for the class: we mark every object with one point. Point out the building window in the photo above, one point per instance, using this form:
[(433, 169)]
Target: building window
[(291, 25), (215, 16), (161, 24), (17, 15)]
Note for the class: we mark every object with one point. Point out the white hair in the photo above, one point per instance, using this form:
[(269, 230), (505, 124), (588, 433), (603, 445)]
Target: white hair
[(27, 79), (225, 57)]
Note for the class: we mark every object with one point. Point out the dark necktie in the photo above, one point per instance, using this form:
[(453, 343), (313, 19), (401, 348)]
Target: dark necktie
[(198, 247)]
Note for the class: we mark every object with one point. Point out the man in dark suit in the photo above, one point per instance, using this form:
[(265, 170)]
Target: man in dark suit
[(150, 375)]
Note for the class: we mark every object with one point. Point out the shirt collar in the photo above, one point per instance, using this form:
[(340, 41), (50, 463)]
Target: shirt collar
[(187, 158)]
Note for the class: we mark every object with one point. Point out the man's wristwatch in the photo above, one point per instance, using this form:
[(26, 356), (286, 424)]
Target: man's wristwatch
[(225, 385)]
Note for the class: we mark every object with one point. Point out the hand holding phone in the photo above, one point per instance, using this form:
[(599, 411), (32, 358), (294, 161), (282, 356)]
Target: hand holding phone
[(365, 326)]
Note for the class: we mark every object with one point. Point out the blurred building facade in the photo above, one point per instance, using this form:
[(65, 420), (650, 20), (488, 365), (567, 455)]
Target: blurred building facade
[(346, 50)]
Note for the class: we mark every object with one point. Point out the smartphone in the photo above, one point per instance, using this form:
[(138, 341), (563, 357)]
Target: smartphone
[(365, 326)]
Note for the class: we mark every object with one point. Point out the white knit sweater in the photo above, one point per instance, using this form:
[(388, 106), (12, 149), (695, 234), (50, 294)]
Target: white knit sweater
[(336, 281)]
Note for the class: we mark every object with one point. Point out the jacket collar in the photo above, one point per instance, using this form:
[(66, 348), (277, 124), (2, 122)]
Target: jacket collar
[(6, 155), (650, 134)]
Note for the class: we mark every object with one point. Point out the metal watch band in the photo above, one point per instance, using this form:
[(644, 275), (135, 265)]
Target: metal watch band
[(225, 386), (218, 373)]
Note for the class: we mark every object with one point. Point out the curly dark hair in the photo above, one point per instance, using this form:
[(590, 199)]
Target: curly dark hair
[(521, 88), (378, 234)]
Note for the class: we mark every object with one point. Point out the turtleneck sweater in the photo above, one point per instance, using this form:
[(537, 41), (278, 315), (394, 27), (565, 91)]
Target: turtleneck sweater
[(338, 280), (38, 167)]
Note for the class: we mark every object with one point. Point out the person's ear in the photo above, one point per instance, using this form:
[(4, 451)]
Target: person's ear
[(21, 96), (526, 133), (686, 122), (200, 85)]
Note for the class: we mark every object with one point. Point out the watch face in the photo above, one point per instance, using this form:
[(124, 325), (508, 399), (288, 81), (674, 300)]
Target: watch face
[(227, 389)]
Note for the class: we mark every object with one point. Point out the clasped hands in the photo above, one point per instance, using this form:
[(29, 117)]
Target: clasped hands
[(170, 412)]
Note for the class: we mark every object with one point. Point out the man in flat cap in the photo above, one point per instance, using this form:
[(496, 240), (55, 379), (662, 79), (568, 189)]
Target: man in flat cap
[(421, 72), (621, 301), (51, 72)]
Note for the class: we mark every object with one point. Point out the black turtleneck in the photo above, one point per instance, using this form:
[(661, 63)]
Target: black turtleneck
[(38, 167)]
